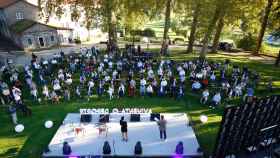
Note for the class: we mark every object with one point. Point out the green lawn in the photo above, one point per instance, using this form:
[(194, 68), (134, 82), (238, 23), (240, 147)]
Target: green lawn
[(270, 50), (35, 137)]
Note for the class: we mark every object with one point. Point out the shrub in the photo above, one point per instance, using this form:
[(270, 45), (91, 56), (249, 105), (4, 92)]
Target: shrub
[(247, 43), (149, 33), (136, 32), (77, 41), (130, 38)]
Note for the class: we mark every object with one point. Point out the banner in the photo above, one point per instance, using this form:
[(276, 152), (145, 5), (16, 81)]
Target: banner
[(116, 110)]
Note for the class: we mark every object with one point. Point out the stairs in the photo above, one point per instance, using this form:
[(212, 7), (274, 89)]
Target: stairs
[(7, 45)]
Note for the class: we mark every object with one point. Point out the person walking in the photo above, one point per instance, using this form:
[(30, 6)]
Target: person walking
[(162, 127), (123, 124)]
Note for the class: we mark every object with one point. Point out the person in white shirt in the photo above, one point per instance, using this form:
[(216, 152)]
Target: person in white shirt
[(205, 95), (150, 90), (160, 73), (90, 87), (142, 87), (17, 94), (78, 92), (68, 80), (150, 74), (111, 91), (216, 100), (115, 74), (46, 92), (131, 88), (34, 92), (213, 77), (61, 75), (121, 90), (56, 85)]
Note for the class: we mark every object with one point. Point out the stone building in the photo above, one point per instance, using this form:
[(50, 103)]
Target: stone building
[(21, 23)]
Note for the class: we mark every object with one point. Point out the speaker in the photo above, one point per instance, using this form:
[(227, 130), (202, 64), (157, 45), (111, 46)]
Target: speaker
[(86, 118), (154, 115), (104, 118), (135, 117)]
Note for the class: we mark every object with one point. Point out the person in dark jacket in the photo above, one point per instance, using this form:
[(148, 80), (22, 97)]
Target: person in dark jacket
[(123, 124), (138, 148), (106, 148), (179, 148), (66, 149)]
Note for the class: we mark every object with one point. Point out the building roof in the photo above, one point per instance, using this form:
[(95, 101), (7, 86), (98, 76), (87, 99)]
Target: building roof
[(7, 3), (25, 24)]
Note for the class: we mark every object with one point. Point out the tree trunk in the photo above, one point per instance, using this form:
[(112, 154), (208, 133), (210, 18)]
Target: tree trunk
[(88, 35), (113, 30), (209, 31), (217, 35), (263, 25), (193, 28), (111, 22), (167, 19)]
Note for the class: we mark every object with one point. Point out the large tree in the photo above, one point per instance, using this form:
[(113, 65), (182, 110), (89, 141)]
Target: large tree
[(194, 25), (167, 19), (220, 10), (263, 25), (107, 11)]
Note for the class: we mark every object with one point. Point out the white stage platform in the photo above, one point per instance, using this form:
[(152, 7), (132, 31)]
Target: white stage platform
[(146, 131)]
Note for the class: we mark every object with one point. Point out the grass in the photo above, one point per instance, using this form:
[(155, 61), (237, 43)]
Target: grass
[(31, 142), (270, 50)]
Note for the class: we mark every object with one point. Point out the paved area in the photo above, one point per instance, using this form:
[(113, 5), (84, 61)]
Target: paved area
[(24, 58)]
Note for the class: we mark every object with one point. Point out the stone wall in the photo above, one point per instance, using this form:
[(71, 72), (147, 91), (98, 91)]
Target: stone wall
[(39, 36)]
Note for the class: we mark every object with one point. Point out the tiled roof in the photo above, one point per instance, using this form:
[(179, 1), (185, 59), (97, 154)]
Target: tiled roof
[(25, 24), (6, 3)]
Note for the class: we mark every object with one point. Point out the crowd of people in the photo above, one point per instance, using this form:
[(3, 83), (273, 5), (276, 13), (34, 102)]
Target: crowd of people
[(128, 72)]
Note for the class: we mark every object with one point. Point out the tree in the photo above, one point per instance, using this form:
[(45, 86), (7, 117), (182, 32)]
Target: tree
[(219, 10), (167, 20), (195, 16), (263, 25), (217, 35)]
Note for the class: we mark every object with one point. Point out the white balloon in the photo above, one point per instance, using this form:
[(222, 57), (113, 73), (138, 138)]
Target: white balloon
[(203, 118), (48, 124), (19, 128)]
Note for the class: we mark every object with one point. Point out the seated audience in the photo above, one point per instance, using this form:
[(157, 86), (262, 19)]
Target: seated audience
[(205, 95), (216, 100)]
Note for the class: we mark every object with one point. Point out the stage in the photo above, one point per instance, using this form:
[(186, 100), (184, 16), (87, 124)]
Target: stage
[(89, 142)]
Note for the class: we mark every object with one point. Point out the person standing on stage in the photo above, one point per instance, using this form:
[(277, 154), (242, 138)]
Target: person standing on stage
[(123, 124), (162, 127)]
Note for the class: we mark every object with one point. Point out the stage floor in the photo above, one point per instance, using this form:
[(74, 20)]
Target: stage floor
[(91, 143)]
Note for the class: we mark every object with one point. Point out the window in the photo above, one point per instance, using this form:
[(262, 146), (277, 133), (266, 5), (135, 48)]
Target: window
[(52, 38), (29, 41), (19, 15)]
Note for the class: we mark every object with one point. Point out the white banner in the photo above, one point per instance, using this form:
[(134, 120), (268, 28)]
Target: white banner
[(116, 110)]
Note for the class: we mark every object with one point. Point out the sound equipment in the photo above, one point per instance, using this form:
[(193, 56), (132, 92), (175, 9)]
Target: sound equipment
[(154, 115), (86, 118), (104, 118), (135, 117)]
